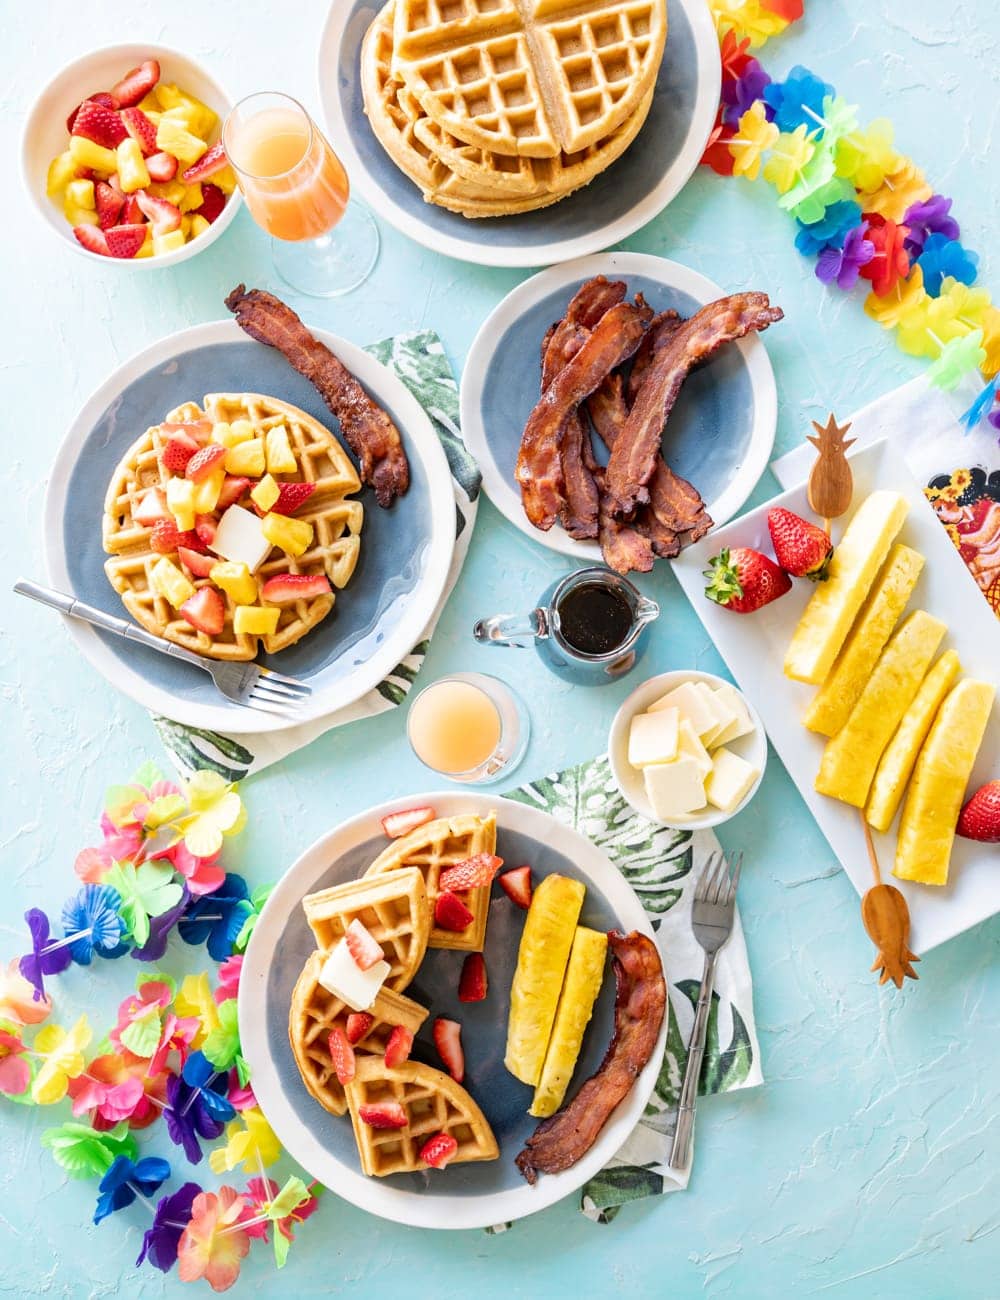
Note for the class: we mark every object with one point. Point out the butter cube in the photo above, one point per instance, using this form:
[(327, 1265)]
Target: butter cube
[(652, 737), (239, 538), (742, 724), (718, 711), (689, 746), (730, 780), (692, 705), (341, 976), (674, 789)]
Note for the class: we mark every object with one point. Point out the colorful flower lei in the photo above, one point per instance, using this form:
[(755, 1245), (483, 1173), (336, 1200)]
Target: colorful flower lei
[(174, 1053)]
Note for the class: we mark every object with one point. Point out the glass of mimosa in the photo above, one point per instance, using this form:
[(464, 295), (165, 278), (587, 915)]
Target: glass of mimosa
[(468, 727), (297, 190)]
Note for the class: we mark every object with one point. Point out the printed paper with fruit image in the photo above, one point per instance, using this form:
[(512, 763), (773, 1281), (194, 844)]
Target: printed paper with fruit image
[(967, 501)]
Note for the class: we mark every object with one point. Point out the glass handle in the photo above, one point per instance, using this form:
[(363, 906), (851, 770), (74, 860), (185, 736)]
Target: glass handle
[(512, 629)]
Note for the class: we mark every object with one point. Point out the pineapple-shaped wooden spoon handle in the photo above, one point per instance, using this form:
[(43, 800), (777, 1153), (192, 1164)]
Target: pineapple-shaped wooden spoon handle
[(831, 483), (887, 920)]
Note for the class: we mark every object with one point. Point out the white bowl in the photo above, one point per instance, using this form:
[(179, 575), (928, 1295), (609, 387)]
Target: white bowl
[(752, 747), (45, 135)]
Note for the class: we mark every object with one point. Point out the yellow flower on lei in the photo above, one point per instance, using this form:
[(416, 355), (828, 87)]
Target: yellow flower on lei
[(908, 297), (61, 1053), (216, 811), (746, 18), (866, 157), (791, 152), (255, 1144), (991, 341), (898, 192), (194, 998), (926, 331), (756, 134), (969, 305)]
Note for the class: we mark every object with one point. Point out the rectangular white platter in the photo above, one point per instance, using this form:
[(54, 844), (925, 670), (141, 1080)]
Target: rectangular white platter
[(753, 646)]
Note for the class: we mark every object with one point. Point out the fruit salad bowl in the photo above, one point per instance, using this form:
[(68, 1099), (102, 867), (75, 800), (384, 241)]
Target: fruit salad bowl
[(46, 137)]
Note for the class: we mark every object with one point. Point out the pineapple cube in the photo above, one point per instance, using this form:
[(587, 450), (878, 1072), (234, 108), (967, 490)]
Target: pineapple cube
[(80, 216), (168, 243), (199, 225), (206, 493), (88, 154), (236, 580), (231, 435), (180, 502), (243, 430), (256, 620), (584, 977), (147, 246), (265, 493), (62, 170), (293, 536), (185, 226), (191, 198), (173, 100), (80, 194), (246, 458), (225, 179), (132, 172), (172, 191), (172, 137), (280, 457), (168, 581), (150, 104)]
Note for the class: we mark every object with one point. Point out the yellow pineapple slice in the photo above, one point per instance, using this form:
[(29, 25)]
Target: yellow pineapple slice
[(851, 757), (832, 704), (584, 976), (827, 620), (897, 762)]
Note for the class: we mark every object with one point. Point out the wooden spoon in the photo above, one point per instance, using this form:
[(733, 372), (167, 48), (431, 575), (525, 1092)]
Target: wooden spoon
[(886, 917)]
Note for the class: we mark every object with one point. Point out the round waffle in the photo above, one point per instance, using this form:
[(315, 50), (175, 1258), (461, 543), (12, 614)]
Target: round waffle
[(336, 524)]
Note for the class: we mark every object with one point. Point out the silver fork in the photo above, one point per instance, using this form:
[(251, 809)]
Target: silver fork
[(243, 683), (712, 923)]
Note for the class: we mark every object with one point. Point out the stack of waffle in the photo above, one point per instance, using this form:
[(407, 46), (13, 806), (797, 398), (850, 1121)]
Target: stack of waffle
[(495, 107)]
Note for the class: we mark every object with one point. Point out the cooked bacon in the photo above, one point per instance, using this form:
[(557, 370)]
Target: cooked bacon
[(594, 300), (633, 457), (661, 329), (640, 1002), (579, 515), (369, 431)]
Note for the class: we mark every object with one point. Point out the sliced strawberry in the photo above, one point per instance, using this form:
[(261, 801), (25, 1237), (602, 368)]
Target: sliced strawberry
[(473, 985), (92, 238), (132, 214), (136, 83), (180, 448), (342, 1055), (199, 431), (99, 123), (292, 497), (141, 129), (438, 1150), (401, 823), (232, 489), (161, 166), (199, 564), (167, 537), (473, 873), (448, 1041), (125, 241), (151, 506), (204, 461), (516, 884), (99, 97), (213, 200), (286, 588), (109, 202), (206, 528), (450, 913), (163, 216), (359, 1023), (211, 161), (399, 1046), (88, 174), (205, 611), (364, 948), (384, 1114)]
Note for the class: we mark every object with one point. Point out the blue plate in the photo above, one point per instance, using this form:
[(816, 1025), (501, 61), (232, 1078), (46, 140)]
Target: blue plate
[(614, 205)]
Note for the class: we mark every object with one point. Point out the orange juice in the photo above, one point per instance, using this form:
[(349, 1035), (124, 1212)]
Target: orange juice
[(454, 727)]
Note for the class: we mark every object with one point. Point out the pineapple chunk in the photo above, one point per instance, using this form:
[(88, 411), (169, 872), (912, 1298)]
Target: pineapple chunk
[(88, 154), (851, 757), (246, 459), (225, 179), (265, 493), (168, 243), (927, 827), (230, 435), (831, 610), (294, 536), (150, 104), (256, 620), (546, 941), (206, 493), (171, 99), (897, 762), (236, 580), (166, 579), (80, 216), (132, 172), (191, 198), (80, 194), (172, 191), (832, 704), (584, 976), (280, 457), (180, 502), (147, 246), (199, 225), (62, 170), (172, 137)]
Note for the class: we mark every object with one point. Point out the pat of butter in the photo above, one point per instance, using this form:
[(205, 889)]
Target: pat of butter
[(239, 538), (341, 976), (730, 780), (689, 746), (674, 789), (652, 737), (742, 724), (691, 703), (719, 712)]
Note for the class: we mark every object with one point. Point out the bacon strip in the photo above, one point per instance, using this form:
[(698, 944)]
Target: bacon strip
[(640, 1002), (661, 329), (369, 431)]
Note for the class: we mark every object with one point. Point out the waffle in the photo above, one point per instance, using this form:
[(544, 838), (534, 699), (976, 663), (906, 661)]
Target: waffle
[(335, 520), (434, 1103), (529, 77), (315, 1011), (395, 910), (435, 847)]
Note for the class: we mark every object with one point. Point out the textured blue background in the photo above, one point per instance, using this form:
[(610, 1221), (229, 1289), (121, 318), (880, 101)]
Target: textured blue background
[(868, 1164)]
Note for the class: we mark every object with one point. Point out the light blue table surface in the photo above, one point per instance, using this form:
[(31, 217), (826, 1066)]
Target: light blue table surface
[(868, 1163)]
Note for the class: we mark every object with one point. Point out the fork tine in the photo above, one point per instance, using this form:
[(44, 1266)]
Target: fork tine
[(292, 682), (734, 879), (722, 882), (275, 690), (286, 703), (709, 877), (252, 702)]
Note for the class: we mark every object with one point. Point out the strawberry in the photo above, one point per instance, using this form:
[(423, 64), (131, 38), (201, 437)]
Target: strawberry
[(448, 1041), (99, 123), (287, 588), (473, 985), (801, 548), (364, 948), (108, 202), (342, 1055), (198, 564), (438, 1150), (743, 580), (92, 238), (140, 128), (211, 161), (204, 461), (232, 489), (401, 823), (473, 873), (152, 505), (132, 214), (167, 537), (180, 448), (399, 1046), (125, 241), (164, 216), (980, 818), (136, 83), (383, 1114), (99, 97), (292, 496), (205, 611), (358, 1024), (206, 528), (450, 913), (199, 431), (516, 884), (213, 200), (161, 166)]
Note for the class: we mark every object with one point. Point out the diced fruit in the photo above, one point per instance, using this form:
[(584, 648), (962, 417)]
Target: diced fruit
[(133, 174), (232, 489), (584, 976), (99, 123), (192, 200), (164, 217), (247, 458), (206, 526), (401, 823), (450, 913), (802, 548), (200, 116), (980, 818), (293, 536), (235, 580), (152, 505), (292, 497), (80, 194), (359, 1023), (174, 139), (92, 239), (240, 538), (280, 457), (108, 203), (212, 203), (383, 1114), (287, 588), (254, 620), (80, 216), (178, 450), (204, 461), (206, 493), (399, 1046), (342, 1055), (166, 579), (136, 83), (743, 580), (212, 160), (62, 169), (170, 191), (516, 884), (473, 984), (196, 562), (125, 241), (438, 1150), (265, 494), (198, 226), (205, 611), (448, 1041), (364, 948), (147, 248), (473, 873), (141, 129), (166, 537), (180, 502), (88, 154), (231, 435), (161, 166), (131, 213), (168, 243), (226, 180)]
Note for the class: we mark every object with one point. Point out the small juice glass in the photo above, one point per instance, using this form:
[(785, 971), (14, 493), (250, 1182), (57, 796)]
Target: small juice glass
[(468, 727)]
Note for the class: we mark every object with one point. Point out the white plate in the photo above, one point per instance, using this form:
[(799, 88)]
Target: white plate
[(720, 432), (754, 645), (463, 1196)]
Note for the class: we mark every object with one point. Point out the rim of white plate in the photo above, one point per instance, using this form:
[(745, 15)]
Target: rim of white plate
[(674, 275), (426, 1210), (708, 83), (231, 718)]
